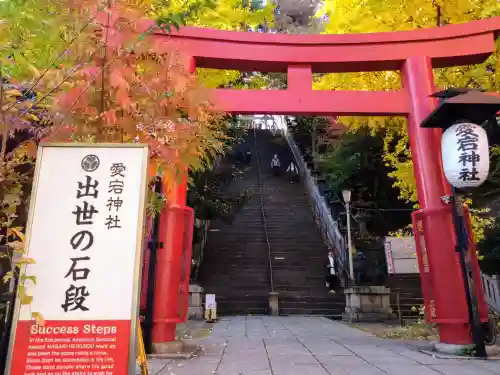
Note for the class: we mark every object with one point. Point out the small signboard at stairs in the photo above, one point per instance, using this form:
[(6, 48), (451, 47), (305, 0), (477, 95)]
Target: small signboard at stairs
[(210, 308), (400, 255)]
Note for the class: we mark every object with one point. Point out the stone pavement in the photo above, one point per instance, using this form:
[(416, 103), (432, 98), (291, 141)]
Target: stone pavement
[(309, 346)]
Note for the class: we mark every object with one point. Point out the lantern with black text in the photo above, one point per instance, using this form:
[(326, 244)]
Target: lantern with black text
[(465, 154)]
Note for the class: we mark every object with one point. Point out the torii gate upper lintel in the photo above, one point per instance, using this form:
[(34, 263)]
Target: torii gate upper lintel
[(302, 55), (413, 53), (460, 44)]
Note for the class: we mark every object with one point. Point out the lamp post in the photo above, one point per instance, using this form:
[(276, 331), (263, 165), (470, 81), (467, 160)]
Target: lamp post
[(465, 157), (346, 194)]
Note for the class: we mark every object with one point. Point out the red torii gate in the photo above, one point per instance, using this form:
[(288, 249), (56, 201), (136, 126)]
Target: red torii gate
[(414, 54)]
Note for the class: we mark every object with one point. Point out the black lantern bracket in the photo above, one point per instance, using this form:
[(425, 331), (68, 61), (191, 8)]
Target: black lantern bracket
[(457, 105)]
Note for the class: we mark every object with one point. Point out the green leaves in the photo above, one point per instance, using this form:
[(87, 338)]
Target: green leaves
[(350, 16), (8, 276), (27, 38), (156, 203), (38, 318), (209, 188)]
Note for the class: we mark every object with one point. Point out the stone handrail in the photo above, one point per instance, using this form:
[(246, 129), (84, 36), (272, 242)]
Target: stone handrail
[(198, 248), (491, 286), (323, 216)]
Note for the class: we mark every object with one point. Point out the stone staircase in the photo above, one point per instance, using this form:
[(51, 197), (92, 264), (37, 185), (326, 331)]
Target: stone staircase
[(244, 261)]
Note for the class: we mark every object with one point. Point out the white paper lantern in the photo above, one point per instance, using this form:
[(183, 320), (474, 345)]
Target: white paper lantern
[(466, 156)]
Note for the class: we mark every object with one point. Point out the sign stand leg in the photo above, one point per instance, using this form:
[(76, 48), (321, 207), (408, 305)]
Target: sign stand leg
[(142, 359), (466, 267), (4, 342), (154, 245)]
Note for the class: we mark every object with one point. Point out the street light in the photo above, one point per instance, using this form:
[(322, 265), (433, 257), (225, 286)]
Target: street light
[(346, 194)]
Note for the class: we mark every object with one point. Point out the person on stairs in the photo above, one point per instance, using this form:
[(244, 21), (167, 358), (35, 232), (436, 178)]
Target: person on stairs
[(275, 165), (331, 274), (359, 264), (293, 171), (248, 157)]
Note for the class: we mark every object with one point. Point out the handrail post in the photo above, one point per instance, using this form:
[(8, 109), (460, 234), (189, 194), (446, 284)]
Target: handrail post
[(263, 212)]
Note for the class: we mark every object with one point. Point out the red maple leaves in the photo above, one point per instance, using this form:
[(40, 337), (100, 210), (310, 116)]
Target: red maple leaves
[(132, 86)]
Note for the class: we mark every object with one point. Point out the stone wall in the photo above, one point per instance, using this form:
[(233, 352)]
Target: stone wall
[(368, 304), (195, 302)]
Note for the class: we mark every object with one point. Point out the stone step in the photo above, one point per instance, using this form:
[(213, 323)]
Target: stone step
[(337, 306), (301, 293), (280, 258), (261, 264), (244, 294), (240, 308), (313, 312), (254, 251), (243, 280), (258, 242)]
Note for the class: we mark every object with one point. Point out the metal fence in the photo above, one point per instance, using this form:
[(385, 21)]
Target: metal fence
[(491, 287)]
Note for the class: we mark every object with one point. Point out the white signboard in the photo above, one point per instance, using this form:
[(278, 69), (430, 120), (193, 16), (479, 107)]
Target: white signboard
[(85, 235), (209, 301), (400, 255)]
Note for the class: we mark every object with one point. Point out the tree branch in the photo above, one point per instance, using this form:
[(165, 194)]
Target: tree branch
[(102, 107), (37, 81), (5, 131)]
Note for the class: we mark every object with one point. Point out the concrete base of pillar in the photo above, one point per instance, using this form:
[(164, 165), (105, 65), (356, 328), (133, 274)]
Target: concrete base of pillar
[(368, 304), (174, 349), (462, 350), (274, 304), (453, 351)]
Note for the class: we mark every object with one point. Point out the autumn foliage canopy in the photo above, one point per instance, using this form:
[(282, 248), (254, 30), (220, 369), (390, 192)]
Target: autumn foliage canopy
[(127, 84), (115, 79)]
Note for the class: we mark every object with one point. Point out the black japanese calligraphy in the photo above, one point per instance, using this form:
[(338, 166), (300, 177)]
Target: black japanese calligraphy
[(84, 215), (79, 238), (87, 189), (82, 240), (75, 298), (113, 222), (467, 144), (471, 158), (466, 130), (114, 203), (116, 187), (117, 169), (469, 174), (78, 273)]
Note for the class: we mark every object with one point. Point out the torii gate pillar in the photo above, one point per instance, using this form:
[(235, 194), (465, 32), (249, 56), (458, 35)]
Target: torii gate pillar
[(442, 282), (167, 301)]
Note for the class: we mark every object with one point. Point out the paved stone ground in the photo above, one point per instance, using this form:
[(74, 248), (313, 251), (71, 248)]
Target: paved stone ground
[(309, 346)]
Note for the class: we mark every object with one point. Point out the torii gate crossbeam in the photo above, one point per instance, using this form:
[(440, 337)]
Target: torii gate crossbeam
[(414, 54)]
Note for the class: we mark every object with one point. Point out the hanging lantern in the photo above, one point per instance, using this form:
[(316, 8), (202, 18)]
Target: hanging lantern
[(465, 153)]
